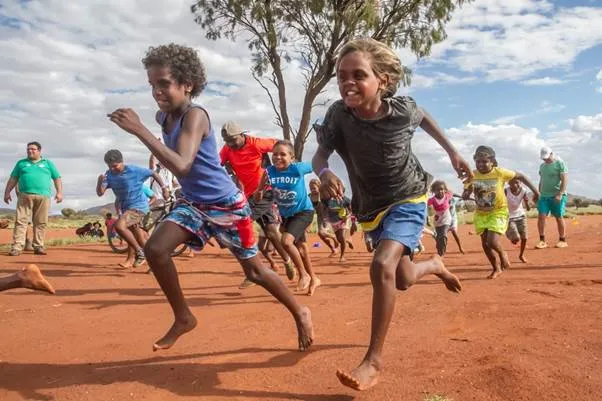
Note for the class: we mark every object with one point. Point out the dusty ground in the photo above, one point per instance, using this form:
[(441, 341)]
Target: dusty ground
[(533, 334)]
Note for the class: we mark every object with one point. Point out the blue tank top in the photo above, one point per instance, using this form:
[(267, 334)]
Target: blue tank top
[(207, 181)]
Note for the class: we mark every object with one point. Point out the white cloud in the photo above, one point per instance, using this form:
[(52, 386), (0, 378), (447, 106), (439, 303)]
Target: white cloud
[(72, 62), (587, 124), (599, 79), (510, 40), (545, 81)]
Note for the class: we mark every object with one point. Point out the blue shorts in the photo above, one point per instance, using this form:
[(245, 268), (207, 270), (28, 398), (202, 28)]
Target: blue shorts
[(402, 223), (229, 221), (547, 205)]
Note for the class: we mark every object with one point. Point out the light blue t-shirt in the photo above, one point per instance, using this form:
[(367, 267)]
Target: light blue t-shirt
[(289, 189), (128, 187)]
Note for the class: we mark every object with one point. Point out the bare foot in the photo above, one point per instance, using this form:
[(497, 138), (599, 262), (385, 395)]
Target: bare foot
[(315, 283), (128, 264), (505, 263), (462, 251), (32, 278), (305, 329), (494, 274), (332, 253), (451, 281), (523, 259), (303, 283), (178, 328), (361, 378), (350, 245), (342, 259)]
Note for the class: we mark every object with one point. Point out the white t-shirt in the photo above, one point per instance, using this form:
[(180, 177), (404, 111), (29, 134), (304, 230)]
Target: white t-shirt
[(515, 203)]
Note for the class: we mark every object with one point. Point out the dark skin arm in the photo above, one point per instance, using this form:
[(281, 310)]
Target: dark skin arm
[(262, 184), (522, 178), (195, 128)]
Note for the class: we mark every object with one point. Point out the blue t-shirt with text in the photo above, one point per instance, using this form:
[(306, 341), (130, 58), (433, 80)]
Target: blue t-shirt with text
[(289, 189), (128, 187)]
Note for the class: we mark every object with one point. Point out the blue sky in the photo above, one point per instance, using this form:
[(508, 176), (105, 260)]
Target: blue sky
[(514, 74)]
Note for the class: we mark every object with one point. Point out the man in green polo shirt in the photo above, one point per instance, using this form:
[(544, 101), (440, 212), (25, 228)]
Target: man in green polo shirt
[(33, 176), (552, 200)]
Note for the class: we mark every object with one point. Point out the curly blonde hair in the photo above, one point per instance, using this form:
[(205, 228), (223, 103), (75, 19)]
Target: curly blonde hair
[(385, 61), (183, 62)]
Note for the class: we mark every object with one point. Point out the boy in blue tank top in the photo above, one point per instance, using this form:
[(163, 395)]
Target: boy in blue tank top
[(211, 205)]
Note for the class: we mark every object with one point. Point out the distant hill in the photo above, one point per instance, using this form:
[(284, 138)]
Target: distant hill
[(101, 210)]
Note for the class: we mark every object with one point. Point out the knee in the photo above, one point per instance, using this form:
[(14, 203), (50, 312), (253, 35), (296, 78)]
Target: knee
[(382, 271), (254, 271), (287, 241), (153, 250)]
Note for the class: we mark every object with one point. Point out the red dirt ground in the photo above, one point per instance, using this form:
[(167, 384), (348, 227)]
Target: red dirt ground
[(533, 334)]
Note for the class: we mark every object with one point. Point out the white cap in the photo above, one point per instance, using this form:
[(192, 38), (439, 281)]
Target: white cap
[(545, 152)]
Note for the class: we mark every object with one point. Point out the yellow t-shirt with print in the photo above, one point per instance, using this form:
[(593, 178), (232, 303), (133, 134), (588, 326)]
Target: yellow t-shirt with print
[(488, 190)]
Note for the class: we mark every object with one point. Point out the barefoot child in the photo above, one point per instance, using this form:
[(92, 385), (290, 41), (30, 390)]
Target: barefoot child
[(211, 205), (127, 183), (29, 277), (371, 130), (338, 214), (288, 184), (441, 202), (323, 227), (517, 224), (491, 216)]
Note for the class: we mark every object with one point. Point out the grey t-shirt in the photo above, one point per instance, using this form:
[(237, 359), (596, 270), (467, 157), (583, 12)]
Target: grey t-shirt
[(378, 154)]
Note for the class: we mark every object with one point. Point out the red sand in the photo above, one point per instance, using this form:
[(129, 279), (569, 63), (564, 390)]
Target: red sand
[(533, 334)]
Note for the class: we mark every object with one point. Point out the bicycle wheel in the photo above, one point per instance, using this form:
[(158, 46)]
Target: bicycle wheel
[(117, 244)]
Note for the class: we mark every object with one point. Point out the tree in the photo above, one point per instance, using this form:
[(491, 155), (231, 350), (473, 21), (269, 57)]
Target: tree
[(578, 202), (310, 32), (68, 212)]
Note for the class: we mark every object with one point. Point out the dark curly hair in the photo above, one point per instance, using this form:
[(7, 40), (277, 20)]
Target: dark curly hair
[(183, 62), (438, 183), (113, 156)]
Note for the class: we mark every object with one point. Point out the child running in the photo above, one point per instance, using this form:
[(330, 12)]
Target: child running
[(323, 226), (441, 203), (211, 205), (491, 216), (127, 183), (287, 181), (517, 224), (371, 130), (338, 214)]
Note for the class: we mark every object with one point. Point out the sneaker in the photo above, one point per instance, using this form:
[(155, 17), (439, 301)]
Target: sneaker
[(541, 245), (290, 270), (562, 244), (39, 251), (246, 283), (139, 258), (14, 252)]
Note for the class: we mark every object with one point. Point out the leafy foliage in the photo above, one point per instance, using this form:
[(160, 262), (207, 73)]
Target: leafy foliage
[(309, 32)]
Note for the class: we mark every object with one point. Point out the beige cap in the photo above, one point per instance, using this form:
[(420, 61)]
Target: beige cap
[(231, 129)]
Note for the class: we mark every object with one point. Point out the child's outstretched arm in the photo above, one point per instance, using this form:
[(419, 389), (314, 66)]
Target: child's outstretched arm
[(331, 186), (258, 195), (522, 178), (195, 127), (430, 126)]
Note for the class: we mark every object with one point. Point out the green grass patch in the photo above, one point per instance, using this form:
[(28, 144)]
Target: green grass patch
[(55, 242), (60, 222)]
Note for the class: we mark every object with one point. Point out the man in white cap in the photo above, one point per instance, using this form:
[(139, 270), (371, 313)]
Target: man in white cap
[(243, 156), (552, 200)]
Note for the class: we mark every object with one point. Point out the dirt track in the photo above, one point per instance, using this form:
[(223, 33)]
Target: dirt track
[(533, 334)]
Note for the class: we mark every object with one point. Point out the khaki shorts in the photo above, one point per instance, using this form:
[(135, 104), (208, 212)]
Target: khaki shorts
[(133, 217)]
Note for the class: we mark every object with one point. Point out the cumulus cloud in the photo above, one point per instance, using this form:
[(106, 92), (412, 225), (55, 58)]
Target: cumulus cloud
[(66, 64), (545, 81), (599, 80)]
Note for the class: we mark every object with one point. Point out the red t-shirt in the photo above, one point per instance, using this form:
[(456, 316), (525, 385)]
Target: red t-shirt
[(246, 161)]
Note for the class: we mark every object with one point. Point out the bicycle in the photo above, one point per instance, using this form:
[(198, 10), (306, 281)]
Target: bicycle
[(149, 223)]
